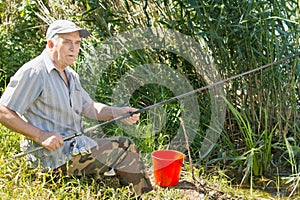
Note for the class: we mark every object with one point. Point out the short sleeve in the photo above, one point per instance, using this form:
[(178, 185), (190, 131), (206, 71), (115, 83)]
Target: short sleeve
[(24, 87), (87, 100)]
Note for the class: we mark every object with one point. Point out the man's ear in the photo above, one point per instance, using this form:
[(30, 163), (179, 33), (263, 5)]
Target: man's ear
[(50, 43)]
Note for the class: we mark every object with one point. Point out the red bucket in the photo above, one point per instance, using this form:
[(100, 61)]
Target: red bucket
[(167, 167)]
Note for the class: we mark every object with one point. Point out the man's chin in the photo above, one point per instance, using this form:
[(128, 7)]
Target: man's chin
[(70, 61)]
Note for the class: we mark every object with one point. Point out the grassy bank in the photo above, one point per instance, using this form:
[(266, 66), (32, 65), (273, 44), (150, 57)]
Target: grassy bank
[(17, 181)]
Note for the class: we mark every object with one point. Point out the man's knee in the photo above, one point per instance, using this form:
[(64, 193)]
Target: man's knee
[(124, 140), (126, 143)]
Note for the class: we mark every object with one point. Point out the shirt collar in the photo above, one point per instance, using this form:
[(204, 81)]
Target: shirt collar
[(49, 63)]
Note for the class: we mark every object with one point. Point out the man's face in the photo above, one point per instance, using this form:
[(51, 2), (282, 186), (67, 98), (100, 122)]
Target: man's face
[(66, 49)]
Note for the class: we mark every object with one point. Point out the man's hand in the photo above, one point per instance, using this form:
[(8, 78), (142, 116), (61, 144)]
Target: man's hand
[(50, 140), (124, 110)]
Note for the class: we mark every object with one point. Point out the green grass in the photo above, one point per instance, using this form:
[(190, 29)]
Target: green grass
[(18, 181)]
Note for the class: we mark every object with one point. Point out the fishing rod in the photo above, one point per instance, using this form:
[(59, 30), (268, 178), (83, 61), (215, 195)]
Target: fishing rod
[(163, 102)]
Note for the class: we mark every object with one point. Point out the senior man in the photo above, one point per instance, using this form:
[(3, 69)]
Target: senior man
[(45, 102)]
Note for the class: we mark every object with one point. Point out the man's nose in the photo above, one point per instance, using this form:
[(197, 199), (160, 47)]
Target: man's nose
[(72, 46)]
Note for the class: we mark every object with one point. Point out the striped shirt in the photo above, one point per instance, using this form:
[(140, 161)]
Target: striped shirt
[(38, 92)]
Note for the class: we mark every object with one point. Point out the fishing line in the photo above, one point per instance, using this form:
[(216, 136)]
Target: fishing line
[(162, 103)]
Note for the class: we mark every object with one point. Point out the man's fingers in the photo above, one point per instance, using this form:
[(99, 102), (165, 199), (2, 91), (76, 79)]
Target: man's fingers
[(133, 117), (53, 142), (137, 116), (61, 140)]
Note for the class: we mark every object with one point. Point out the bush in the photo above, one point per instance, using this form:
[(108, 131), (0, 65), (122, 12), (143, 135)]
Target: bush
[(21, 37)]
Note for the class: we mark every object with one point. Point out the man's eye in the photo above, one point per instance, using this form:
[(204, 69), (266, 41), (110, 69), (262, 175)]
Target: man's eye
[(70, 42)]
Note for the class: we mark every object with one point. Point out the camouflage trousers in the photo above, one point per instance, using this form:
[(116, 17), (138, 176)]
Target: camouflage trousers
[(118, 153)]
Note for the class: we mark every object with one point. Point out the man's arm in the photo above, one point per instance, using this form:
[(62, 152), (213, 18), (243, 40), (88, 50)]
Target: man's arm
[(101, 111), (14, 122)]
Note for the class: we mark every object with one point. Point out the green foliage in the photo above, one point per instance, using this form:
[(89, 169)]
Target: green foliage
[(21, 38), (262, 114)]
